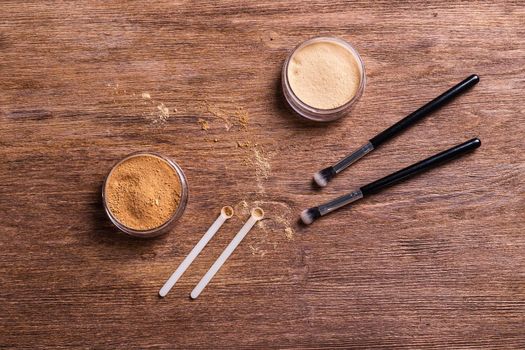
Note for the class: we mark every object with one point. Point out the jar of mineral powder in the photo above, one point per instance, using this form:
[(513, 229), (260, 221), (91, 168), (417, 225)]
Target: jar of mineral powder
[(144, 194), (323, 78)]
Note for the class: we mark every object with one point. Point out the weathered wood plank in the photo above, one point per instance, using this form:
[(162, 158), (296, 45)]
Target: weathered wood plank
[(435, 263)]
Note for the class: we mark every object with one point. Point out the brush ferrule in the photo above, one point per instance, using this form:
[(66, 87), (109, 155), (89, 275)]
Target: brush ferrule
[(340, 202), (354, 157)]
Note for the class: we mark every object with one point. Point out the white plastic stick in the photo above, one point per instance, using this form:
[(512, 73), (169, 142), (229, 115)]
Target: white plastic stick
[(256, 215), (226, 213)]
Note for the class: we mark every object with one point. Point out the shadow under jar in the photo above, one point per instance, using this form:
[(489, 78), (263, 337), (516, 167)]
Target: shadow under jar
[(144, 194), (323, 78)]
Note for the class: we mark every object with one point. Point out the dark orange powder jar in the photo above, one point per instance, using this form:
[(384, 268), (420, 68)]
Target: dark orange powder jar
[(144, 194)]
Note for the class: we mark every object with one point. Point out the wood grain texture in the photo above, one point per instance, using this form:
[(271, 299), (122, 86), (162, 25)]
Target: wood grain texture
[(435, 263)]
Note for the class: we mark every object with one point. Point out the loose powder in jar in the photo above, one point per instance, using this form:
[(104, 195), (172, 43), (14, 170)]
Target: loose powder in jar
[(143, 192), (324, 74)]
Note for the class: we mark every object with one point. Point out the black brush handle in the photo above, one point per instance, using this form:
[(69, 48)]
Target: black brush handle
[(431, 106), (421, 166)]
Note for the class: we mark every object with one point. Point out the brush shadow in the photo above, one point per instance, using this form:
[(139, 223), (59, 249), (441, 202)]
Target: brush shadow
[(315, 186), (301, 224)]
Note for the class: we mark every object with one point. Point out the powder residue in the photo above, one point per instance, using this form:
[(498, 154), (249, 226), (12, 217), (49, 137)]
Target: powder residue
[(289, 233), (243, 117), (203, 123), (164, 112), (231, 115), (219, 113), (324, 75), (143, 192), (156, 112), (262, 165), (276, 226), (259, 159), (244, 144), (242, 209), (263, 168), (256, 250), (161, 112)]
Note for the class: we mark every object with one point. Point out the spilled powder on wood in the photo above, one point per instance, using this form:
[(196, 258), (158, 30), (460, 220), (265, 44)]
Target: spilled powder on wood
[(231, 115), (275, 228), (243, 144), (204, 124), (241, 209), (164, 112), (289, 233), (263, 167), (243, 117), (159, 112), (259, 160), (257, 250), (219, 113)]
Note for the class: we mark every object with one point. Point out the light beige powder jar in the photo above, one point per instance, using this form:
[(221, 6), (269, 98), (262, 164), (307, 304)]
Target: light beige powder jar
[(322, 78)]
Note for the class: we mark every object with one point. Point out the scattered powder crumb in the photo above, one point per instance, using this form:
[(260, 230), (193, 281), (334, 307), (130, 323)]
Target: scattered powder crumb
[(157, 114), (164, 112), (216, 111), (243, 144), (230, 115), (204, 124), (263, 167), (241, 209), (243, 117), (289, 233), (284, 220), (257, 251), (275, 228), (219, 113), (215, 140), (260, 161)]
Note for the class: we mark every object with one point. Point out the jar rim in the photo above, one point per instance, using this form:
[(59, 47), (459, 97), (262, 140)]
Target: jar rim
[(166, 226)]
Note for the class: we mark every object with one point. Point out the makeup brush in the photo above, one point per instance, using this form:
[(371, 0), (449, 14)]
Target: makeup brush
[(309, 215), (324, 176)]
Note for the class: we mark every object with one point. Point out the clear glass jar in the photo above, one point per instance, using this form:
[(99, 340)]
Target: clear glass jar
[(316, 114), (170, 223)]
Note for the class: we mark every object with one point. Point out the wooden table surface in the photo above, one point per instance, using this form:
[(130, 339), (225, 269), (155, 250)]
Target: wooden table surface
[(435, 262)]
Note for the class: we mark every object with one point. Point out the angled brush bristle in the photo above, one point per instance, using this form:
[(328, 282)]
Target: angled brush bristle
[(309, 215), (322, 177)]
